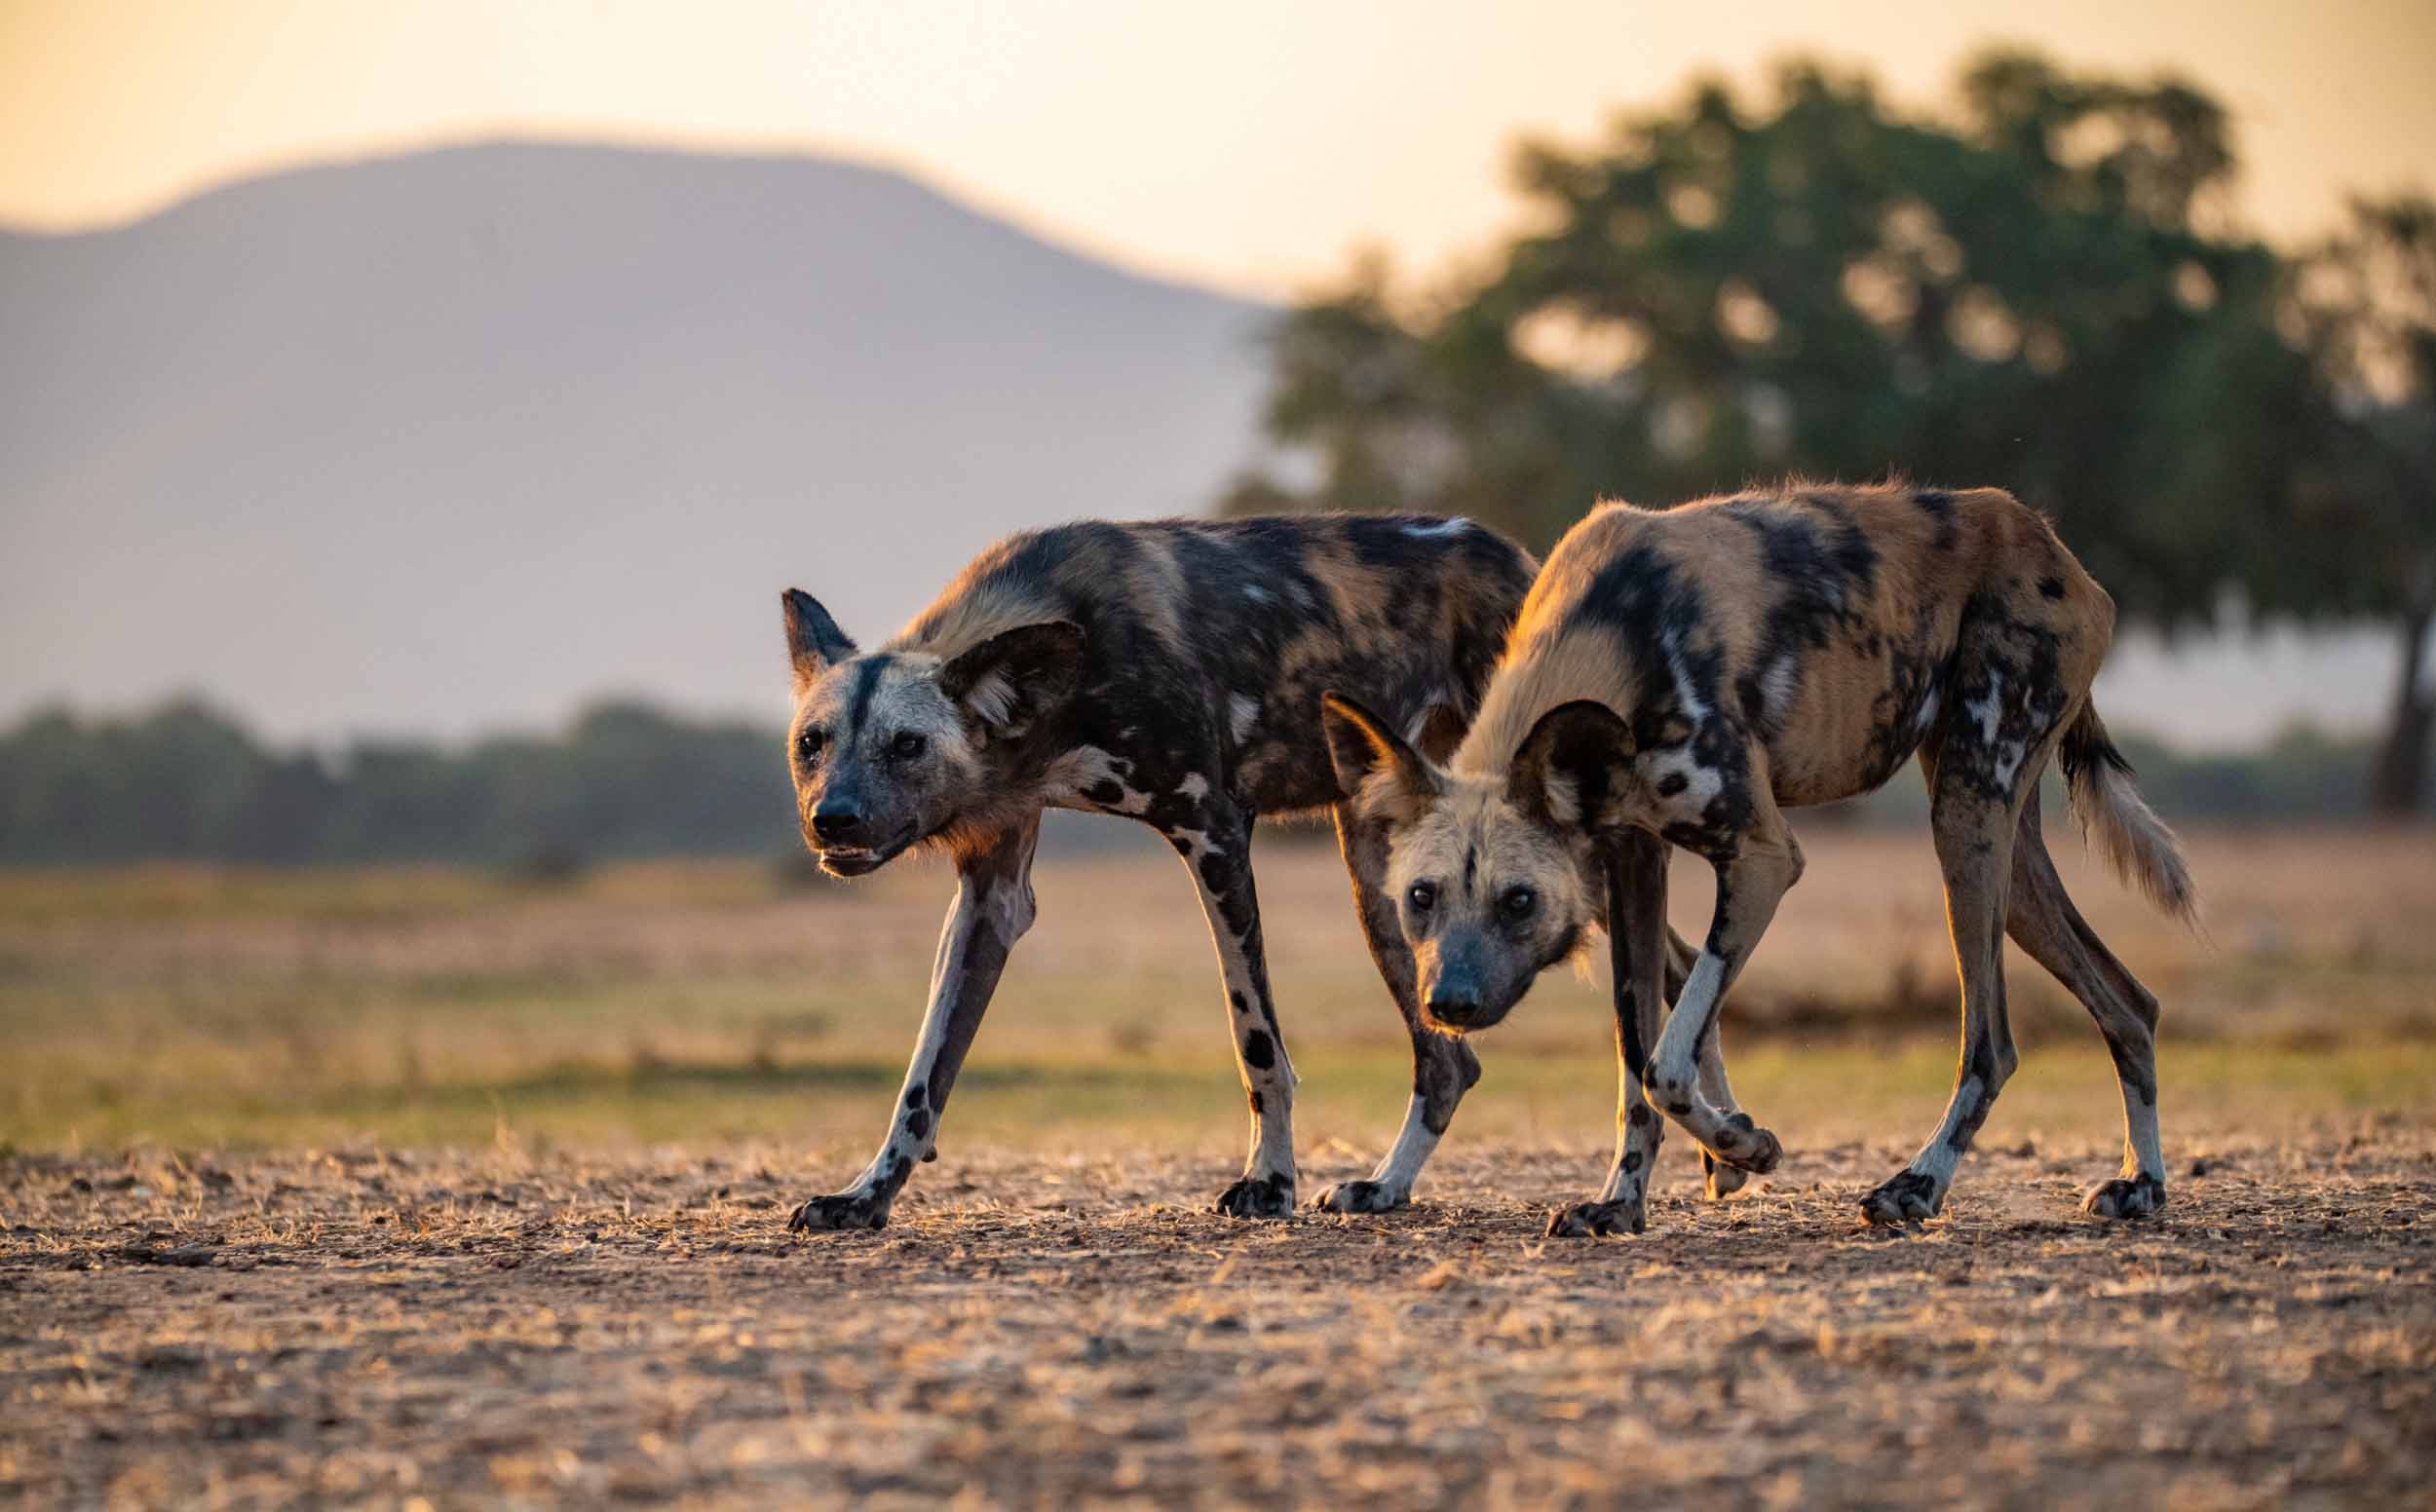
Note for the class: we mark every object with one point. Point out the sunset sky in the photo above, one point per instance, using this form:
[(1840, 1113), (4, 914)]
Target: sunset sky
[(1251, 145)]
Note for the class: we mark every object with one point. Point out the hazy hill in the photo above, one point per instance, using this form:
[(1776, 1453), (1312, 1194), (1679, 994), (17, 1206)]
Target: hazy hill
[(453, 440)]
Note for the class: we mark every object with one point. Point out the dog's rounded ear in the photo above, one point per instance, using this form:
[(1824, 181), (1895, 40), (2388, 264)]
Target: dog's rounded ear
[(1385, 776), (1016, 678), (1568, 771), (814, 642)]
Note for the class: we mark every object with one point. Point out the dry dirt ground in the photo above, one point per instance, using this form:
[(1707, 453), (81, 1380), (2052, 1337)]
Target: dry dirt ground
[(500, 1328)]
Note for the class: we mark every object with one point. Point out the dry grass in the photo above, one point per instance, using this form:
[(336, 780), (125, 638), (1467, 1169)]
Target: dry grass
[(712, 1001), (406, 1185)]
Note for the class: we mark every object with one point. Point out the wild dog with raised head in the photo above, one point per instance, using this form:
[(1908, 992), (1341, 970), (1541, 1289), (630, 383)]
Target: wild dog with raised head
[(1169, 672), (1679, 678)]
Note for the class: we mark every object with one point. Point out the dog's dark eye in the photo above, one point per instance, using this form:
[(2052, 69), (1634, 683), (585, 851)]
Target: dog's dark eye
[(906, 746), (1422, 895), (1517, 903), (808, 744)]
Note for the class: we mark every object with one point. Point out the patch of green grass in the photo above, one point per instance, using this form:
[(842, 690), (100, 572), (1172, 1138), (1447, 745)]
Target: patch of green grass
[(1351, 1101), (700, 1002)]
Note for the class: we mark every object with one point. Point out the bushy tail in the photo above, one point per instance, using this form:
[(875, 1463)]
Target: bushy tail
[(2136, 844)]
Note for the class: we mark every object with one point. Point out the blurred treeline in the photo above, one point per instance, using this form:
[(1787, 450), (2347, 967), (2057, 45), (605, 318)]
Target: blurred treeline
[(2040, 287), (625, 780), (186, 782)]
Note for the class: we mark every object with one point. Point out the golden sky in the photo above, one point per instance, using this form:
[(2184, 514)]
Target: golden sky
[(1251, 143)]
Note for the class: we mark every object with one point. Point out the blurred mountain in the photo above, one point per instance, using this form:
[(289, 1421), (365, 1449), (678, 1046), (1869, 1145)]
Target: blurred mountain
[(456, 439)]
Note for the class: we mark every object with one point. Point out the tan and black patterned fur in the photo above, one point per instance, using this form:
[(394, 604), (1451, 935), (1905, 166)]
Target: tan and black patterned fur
[(1171, 672), (1680, 678)]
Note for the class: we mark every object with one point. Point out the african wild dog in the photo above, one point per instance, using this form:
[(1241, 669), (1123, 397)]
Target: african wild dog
[(1677, 677), (1169, 671)]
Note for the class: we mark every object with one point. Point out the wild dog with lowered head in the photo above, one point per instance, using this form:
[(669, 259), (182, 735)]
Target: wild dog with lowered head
[(1679, 678), (1169, 672)]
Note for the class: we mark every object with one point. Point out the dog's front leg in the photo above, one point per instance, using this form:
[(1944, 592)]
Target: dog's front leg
[(993, 908), (1216, 845), (1752, 878), (1638, 945), (1444, 1067), (1722, 1180)]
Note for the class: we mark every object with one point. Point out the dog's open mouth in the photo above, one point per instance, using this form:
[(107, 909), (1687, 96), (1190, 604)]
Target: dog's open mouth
[(861, 860)]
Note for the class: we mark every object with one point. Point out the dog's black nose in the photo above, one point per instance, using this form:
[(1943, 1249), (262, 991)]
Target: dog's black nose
[(837, 825), (1449, 1007)]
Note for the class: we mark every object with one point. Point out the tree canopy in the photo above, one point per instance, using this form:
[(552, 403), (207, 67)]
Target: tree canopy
[(2040, 289), (2031, 293)]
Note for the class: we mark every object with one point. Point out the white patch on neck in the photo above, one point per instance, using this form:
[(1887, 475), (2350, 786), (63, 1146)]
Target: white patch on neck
[(1692, 708), (1195, 786), (1453, 525), (1699, 783)]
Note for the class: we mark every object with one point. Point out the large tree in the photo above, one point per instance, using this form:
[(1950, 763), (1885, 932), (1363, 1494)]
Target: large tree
[(2037, 289)]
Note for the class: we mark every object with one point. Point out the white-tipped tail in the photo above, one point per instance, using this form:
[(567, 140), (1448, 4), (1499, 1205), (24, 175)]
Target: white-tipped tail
[(2137, 845)]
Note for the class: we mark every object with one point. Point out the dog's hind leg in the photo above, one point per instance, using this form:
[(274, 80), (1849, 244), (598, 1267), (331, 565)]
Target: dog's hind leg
[(2043, 921), (2008, 702), (1216, 844), (993, 908), (1444, 1067), (1974, 838)]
